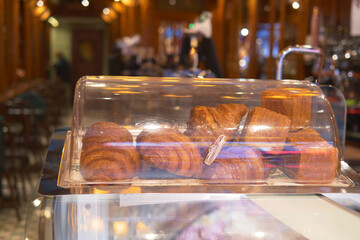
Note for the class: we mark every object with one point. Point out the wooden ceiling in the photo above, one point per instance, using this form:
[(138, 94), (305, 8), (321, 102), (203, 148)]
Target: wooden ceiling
[(74, 8)]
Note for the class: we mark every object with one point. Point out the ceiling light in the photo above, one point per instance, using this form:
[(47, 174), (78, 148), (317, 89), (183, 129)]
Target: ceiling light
[(53, 22), (85, 3), (295, 5), (244, 32), (39, 3), (106, 11)]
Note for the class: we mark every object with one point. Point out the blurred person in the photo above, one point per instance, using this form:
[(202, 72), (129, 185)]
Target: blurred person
[(62, 67), (116, 63), (63, 75)]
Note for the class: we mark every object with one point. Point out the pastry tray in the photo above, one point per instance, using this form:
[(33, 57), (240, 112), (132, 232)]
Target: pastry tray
[(277, 182)]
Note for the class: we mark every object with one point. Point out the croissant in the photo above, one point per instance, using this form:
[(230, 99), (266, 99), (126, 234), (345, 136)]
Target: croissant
[(295, 103), (236, 164), (170, 150), (266, 126), (108, 153), (206, 124), (105, 132), (311, 158)]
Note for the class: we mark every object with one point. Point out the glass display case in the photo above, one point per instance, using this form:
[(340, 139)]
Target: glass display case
[(57, 213), (175, 158)]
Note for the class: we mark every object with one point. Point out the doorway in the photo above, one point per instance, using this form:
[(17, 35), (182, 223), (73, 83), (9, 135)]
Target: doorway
[(87, 53)]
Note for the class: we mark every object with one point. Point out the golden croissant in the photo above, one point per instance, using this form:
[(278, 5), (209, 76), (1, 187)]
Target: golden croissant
[(170, 150), (108, 153), (236, 164), (206, 124)]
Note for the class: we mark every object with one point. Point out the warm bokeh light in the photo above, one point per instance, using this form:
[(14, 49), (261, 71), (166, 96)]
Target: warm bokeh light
[(177, 96), (97, 224), (39, 3), (47, 212), (141, 228), (39, 10), (129, 3), (244, 32), (120, 228), (131, 190), (295, 5), (106, 11), (85, 3), (36, 202), (45, 15), (100, 191)]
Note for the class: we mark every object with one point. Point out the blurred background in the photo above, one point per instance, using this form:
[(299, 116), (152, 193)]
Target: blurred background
[(47, 45)]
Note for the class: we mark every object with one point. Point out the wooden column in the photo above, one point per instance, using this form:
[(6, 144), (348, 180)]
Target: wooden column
[(2, 47), (119, 32), (137, 19), (119, 9), (147, 22), (218, 33), (46, 48), (28, 40), (123, 23), (253, 20), (272, 20), (131, 20), (36, 46), (282, 24), (233, 40), (113, 32), (344, 8), (41, 46), (303, 29), (12, 9)]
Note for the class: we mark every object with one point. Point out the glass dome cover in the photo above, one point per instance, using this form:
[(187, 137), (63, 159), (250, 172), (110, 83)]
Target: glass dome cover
[(141, 131)]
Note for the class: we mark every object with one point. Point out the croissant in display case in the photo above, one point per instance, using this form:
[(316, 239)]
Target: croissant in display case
[(170, 150), (264, 127), (295, 103), (309, 157), (206, 124), (107, 153), (200, 132), (237, 164)]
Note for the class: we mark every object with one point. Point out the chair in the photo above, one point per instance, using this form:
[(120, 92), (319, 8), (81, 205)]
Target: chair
[(18, 116), (9, 168)]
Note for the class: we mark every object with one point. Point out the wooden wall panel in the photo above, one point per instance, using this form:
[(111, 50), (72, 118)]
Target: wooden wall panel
[(36, 47), (2, 47), (28, 40), (137, 19), (46, 48), (12, 9), (131, 21), (145, 22), (123, 24)]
